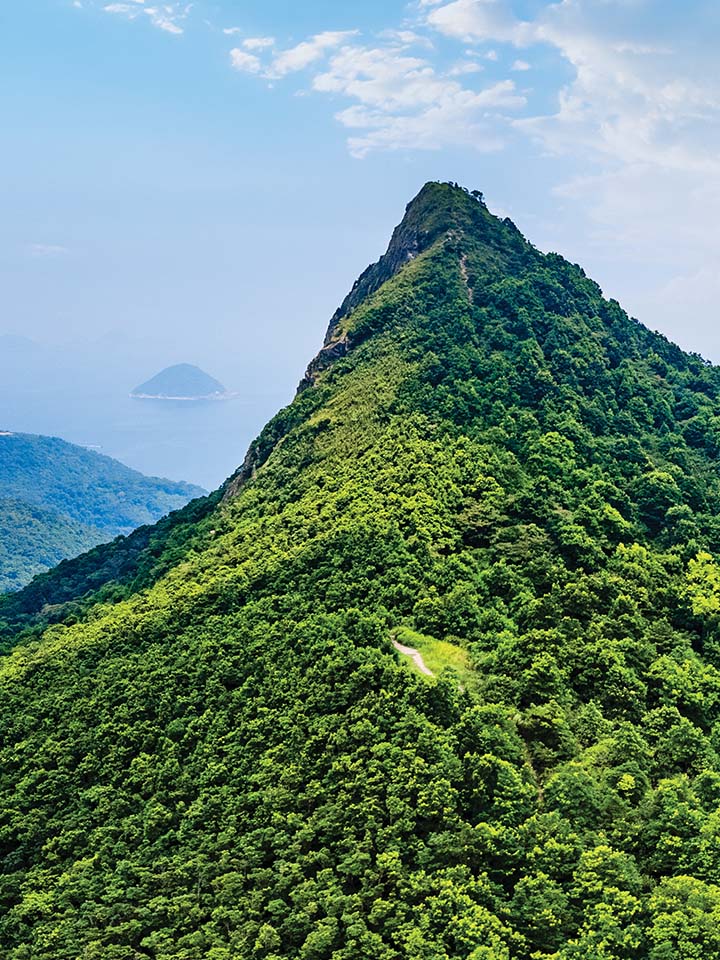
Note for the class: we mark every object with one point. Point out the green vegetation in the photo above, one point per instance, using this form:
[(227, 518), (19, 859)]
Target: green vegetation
[(58, 499), (211, 750), (439, 655), (32, 539)]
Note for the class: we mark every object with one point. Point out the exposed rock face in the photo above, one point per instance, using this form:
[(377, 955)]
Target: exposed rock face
[(333, 350), (424, 221), (243, 473), (417, 231)]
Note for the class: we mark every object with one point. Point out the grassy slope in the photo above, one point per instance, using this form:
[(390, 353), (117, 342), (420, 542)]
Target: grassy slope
[(439, 655)]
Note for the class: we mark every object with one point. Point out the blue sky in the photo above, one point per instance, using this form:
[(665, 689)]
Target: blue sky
[(204, 181)]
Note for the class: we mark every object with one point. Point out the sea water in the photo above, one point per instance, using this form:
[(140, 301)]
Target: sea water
[(202, 442)]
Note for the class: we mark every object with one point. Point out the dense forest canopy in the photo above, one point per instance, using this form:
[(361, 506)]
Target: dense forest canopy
[(58, 499), (211, 748), (33, 539)]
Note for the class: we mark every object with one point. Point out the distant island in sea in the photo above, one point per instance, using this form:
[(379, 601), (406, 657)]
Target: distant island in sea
[(182, 381)]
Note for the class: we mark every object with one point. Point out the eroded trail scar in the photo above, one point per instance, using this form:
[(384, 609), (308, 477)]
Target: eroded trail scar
[(415, 656), (466, 279)]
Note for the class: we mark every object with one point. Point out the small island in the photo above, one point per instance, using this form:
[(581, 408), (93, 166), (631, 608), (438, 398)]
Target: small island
[(183, 381)]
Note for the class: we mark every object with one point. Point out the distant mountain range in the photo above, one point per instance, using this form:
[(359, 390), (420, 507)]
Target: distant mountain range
[(58, 500), (183, 381)]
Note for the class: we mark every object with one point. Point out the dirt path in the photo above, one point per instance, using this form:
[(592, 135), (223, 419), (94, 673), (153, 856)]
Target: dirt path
[(415, 656), (464, 272)]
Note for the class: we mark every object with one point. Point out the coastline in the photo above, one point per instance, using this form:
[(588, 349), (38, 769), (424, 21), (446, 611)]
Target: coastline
[(164, 396)]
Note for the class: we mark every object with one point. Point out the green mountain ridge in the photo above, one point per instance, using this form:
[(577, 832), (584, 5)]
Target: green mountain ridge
[(210, 747), (58, 499), (33, 539)]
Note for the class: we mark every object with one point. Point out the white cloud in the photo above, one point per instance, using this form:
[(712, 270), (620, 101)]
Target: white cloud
[(431, 129), (167, 17), (245, 62), (164, 18), (626, 95), (474, 20), (392, 82), (258, 43), (123, 8), (406, 38), (641, 49), (309, 51), (520, 65), (395, 98), (465, 67), (402, 102), (633, 98)]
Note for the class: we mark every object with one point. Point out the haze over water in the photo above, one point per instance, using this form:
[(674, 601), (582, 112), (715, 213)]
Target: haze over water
[(86, 400)]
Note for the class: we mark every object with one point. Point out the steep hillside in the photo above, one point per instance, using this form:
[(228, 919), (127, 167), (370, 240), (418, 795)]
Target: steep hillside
[(33, 539), (216, 751), (58, 499)]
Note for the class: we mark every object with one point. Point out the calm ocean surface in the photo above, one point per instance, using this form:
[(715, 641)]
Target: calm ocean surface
[(199, 442)]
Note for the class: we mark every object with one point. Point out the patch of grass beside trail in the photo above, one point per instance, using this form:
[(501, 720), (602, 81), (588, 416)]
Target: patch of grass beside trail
[(438, 655)]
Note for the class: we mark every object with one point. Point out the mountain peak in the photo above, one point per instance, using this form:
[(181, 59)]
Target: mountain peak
[(439, 209), (441, 206)]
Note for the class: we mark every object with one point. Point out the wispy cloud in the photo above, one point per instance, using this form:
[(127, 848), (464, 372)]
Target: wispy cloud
[(244, 61), (465, 67), (395, 98), (49, 250), (258, 43), (402, 102), (306, 53), (167, 16), (250, 43)]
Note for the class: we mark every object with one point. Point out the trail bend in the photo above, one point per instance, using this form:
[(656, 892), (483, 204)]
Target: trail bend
[(415, 656)]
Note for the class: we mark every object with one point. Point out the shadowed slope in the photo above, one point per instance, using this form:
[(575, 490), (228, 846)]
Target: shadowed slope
[(59, 498)]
